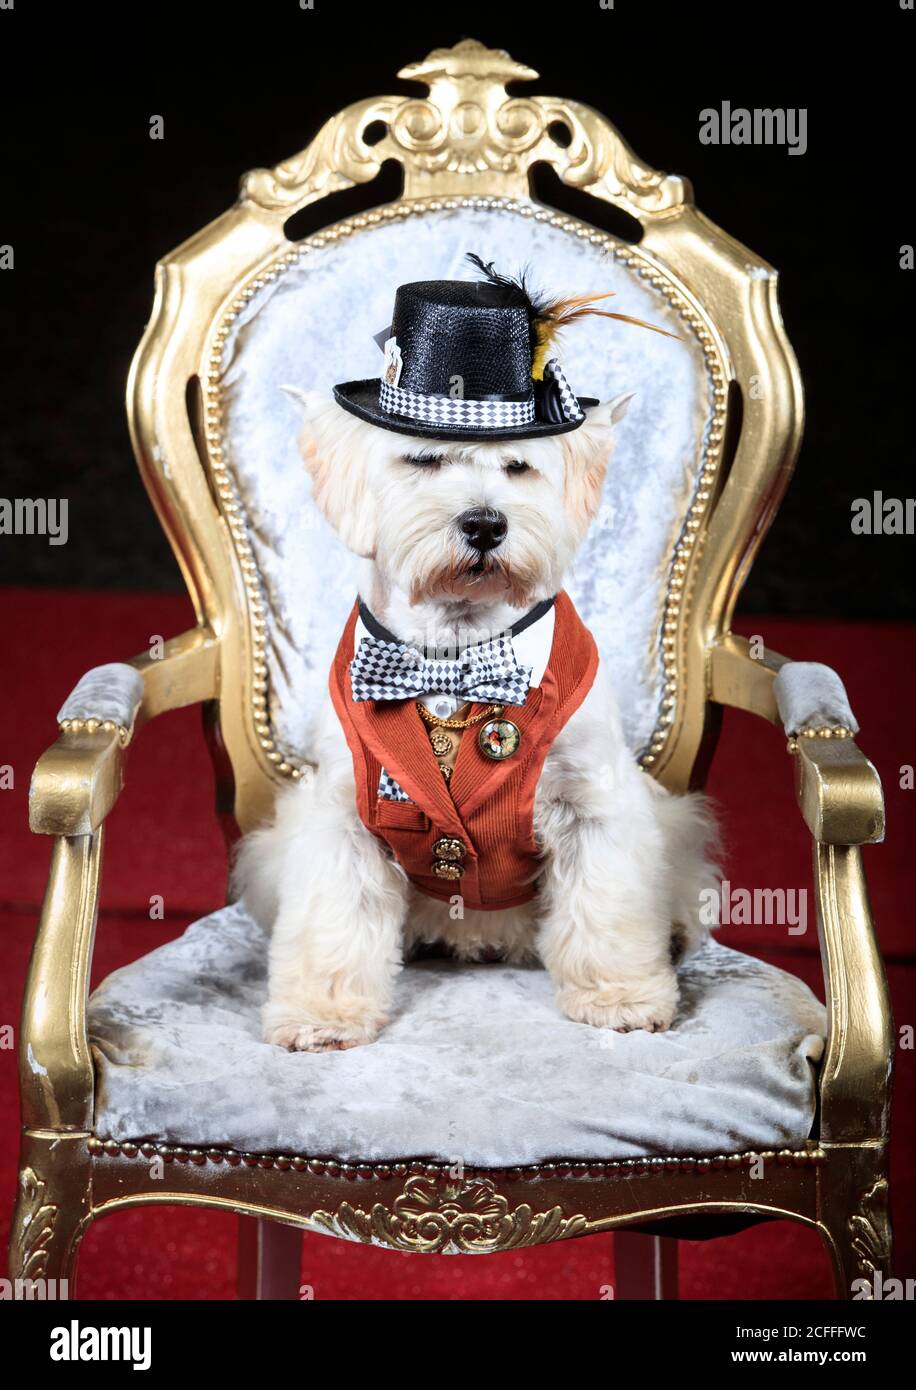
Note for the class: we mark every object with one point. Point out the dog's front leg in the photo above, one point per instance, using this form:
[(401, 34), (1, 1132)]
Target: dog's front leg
[(336, 946), (605, 933)]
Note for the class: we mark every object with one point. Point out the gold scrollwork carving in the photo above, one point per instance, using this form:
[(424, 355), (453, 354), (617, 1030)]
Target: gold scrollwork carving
[(36, 1226), (335, 159), (455, 1217), (870, 1229), (467, 132)]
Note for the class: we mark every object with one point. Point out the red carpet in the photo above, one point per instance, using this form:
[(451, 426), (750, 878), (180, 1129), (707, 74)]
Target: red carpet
[(163, 839)]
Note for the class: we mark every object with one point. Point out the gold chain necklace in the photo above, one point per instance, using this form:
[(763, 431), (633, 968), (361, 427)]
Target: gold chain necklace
[(439, 723)]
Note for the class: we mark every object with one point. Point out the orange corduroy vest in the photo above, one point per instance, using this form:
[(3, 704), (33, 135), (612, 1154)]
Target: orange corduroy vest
[(487, 806)]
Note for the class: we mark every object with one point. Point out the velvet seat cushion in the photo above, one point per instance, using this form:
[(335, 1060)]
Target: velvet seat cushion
[(477, 1063)]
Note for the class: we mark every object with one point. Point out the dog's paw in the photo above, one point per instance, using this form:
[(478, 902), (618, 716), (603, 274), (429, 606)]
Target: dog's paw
[(308, 1035), (649, 1005)]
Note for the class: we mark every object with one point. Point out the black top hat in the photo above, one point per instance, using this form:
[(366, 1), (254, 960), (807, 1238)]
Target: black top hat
[(458, 365)]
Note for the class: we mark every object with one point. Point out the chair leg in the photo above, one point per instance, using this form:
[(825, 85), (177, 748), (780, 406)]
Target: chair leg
[(855, 1219), (51, 1214), (270, 1257), (645, 1267)]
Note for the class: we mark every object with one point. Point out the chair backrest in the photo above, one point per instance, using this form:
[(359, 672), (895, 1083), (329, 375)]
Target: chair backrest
[(701, 460)]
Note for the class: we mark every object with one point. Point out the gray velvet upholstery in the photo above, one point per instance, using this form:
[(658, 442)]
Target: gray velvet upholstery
[(314, 325), (476, 1063), (106, 692), (812, 696)]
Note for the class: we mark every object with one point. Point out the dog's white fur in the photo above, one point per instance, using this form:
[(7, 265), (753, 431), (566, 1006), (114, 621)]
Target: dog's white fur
[(624, 862)]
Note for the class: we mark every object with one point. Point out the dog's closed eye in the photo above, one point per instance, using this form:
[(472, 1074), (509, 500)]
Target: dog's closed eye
[(424, 460)]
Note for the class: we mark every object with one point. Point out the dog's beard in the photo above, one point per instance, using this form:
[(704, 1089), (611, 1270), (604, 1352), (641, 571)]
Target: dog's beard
[(473, 577), (423, 552)]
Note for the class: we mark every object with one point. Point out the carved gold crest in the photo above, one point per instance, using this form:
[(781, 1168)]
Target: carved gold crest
[(466, 1217), (467, 131)]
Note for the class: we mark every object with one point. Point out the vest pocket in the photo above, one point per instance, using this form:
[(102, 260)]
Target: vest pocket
[(401, 815)]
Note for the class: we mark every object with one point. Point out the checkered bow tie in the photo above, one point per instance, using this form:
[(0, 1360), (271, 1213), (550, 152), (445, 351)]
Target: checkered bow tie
[(397, 671)]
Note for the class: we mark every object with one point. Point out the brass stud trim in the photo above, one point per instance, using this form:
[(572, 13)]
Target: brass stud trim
[(360, 1169), (817, 731), (95, 726)]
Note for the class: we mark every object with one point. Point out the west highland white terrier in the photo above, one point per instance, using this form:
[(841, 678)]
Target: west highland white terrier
[(473, 785)]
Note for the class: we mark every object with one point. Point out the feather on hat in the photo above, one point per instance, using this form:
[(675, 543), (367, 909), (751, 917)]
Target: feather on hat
[(546, 316)]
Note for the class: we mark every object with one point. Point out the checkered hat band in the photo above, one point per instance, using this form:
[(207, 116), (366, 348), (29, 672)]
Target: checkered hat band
[(486, 673), (444, 410)]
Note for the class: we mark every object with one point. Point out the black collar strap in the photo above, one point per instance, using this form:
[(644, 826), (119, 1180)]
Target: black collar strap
[(375, 628)]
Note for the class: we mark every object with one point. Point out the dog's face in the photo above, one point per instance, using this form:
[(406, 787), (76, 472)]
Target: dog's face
[(473, 522)]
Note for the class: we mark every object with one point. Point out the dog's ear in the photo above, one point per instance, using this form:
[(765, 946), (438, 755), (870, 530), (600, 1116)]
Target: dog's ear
[(336, 449), (619, 406), (608, 414), (588, 450)]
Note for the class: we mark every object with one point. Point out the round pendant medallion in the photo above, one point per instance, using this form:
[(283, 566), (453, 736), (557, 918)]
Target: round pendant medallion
[(498, 739), (441, 743)]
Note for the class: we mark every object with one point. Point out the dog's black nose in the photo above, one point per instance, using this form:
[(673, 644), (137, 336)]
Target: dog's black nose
[(484, 527)]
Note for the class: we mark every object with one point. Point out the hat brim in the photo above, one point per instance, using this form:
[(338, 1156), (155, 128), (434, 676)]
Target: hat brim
[(361, 399)]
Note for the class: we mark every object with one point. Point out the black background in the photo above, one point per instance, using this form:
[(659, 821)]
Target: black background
[(91, 202)]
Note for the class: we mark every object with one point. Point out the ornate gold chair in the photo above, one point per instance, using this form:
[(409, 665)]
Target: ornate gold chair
[(703, 460)]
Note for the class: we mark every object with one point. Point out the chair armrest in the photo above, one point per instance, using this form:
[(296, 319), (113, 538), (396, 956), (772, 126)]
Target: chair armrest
[(811, 696), (77, 781), (838, 789), (108, 697), (839, 793)]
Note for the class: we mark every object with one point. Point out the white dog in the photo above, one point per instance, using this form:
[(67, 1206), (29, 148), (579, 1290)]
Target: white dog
[(622, 862)]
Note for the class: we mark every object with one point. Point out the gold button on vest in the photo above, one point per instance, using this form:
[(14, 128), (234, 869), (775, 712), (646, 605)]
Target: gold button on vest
[(443, 869), (449, 848)]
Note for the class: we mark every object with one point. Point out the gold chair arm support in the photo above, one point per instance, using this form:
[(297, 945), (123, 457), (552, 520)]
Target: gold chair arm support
[(839, 793), (55, 1063), (744, 682), (855, 1074), (77, 781)]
